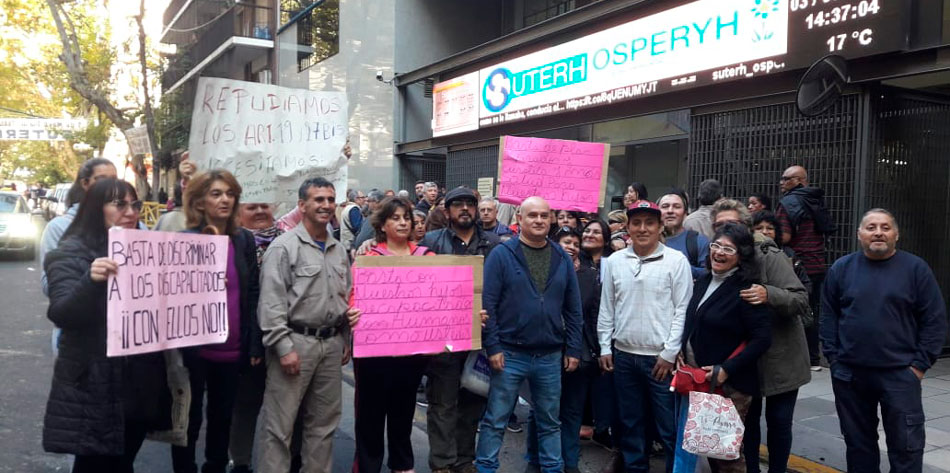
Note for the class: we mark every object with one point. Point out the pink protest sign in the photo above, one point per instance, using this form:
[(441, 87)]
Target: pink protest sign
[(170, 291), (416, 305), (570, 175)]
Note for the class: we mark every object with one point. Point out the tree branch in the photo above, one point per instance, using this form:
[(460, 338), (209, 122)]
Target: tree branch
[(78, 78)]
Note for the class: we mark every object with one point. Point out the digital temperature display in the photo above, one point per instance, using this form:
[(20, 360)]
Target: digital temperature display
[(848, 28)]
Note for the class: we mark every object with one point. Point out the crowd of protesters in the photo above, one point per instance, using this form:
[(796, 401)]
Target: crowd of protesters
[(593, 315)]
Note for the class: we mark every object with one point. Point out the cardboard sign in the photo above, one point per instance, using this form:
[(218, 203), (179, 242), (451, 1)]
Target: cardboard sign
[(271, 138), (570, 175), (170, 291), (417, 305)]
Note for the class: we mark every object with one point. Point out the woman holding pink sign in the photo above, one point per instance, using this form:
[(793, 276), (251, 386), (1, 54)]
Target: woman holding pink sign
[(99, 408), (211, 201), (386, 386)]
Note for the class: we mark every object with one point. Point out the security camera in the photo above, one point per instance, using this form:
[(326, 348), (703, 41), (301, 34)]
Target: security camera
[(379, 75)]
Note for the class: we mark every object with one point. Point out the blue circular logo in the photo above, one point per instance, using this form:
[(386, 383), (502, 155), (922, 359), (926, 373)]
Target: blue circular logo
[(496, 94)]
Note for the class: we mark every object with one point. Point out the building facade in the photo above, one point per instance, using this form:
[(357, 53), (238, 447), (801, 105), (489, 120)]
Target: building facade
[(685, 90)]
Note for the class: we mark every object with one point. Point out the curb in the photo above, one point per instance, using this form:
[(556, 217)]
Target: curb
[(798, 464)]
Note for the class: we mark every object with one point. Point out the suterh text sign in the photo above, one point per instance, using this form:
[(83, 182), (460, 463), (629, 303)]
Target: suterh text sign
[(700, 43), (170, 291), (271, 138), (570, 175), (417, 305), (633, 56), (39, 129)]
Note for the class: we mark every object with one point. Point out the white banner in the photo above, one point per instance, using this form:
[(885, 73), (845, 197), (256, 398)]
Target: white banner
[(39, 129), (272, 138), (138, 140)]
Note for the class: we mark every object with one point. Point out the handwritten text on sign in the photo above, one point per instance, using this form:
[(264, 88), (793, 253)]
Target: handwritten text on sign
[(271, 138), (170, 291), (413, 310), (570, 175)]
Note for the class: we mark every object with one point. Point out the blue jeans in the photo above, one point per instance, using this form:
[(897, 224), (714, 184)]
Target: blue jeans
[(543, 373), (684, 462), (779, 414), (638, 393)]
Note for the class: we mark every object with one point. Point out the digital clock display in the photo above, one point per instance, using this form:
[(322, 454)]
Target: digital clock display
[(848, 28)]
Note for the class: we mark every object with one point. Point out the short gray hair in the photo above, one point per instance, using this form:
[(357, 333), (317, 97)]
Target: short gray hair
[(375, 195), (493, 201), (726, 205), (879, 210), (403, 194), (352, 194), (431, 185)]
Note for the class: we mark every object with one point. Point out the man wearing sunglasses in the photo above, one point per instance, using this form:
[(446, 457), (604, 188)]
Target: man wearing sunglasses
[(646, 290)]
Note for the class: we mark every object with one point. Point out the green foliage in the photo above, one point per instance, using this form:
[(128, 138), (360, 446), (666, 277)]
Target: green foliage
[(35, 81)]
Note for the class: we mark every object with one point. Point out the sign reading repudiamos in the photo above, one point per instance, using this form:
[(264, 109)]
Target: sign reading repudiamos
[(271, 138), (699, 43)]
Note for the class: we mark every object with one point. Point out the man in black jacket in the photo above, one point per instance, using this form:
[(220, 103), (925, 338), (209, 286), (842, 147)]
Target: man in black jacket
[(453, 413), (883, 324)]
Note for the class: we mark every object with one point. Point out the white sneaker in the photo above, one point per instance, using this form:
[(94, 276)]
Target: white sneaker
[(816, 368)]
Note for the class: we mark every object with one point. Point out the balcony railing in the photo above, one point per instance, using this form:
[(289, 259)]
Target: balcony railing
[(171, 10), (243, 20)]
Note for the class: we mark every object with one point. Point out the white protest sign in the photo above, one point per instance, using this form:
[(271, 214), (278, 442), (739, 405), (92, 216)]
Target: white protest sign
[(271, 138)]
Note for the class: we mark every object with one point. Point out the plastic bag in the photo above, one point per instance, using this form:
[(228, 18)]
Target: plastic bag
[(476, 375), (714, 428)]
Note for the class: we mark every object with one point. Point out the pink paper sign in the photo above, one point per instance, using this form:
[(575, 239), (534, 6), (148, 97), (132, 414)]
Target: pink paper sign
[(170, 291), (412, 310), (570, 175)]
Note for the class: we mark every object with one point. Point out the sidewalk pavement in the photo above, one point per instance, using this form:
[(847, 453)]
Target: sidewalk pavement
[(817, 435)]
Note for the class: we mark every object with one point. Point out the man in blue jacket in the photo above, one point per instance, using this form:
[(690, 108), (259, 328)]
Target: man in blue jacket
[(534, 307), (883, 324)]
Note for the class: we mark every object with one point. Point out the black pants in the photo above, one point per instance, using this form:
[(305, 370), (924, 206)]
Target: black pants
[(811, 331), (221, 381), (898, 392), (779, 414), (134, 436), (386, 396)]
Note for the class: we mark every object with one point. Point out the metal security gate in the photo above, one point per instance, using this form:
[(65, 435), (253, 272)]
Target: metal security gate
[(909, 172), (420, 168), (747, 150), (464, 167)]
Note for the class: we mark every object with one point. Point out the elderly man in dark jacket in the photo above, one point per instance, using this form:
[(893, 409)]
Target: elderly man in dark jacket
[(784, 367), (533, 301)]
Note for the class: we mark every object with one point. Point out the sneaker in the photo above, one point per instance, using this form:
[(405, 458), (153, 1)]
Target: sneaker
[(422, 403), (816, 368), (467, 468), (514, 426), (587, 432)]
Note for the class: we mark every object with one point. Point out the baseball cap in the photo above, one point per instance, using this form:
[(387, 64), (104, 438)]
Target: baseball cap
[(643, 206), (459, 193)]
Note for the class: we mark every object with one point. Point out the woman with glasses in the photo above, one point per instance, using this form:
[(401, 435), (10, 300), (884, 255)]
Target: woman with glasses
[(718, 321), (99, 408), (386, 386), (418, 226), (617, 220), (211, 201)]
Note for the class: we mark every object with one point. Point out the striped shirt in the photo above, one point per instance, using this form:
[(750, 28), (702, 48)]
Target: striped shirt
[(809, 245)]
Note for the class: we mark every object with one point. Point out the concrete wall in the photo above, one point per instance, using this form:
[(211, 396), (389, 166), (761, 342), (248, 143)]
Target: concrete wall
[(431, 30), (366, 44)]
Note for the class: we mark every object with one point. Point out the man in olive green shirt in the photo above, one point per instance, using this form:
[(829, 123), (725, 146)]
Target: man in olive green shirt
[(305, 319)]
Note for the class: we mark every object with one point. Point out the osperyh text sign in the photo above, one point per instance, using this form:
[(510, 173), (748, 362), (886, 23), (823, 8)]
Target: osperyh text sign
[(271, 138), (570, 175), (628, 60), (416, 305), (170, 291)]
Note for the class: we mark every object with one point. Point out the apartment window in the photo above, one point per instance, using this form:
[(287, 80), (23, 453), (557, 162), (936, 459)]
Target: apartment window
[(536, 11), (318, 28)]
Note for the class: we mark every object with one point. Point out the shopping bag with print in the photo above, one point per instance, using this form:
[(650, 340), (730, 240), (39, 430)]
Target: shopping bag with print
[(476, 374), (713, 427)]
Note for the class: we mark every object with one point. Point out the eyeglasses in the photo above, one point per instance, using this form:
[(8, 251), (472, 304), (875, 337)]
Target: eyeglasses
[(122, 205), (726, 250)]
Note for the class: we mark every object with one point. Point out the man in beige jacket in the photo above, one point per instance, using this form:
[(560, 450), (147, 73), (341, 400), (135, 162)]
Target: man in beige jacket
[(305, 319)]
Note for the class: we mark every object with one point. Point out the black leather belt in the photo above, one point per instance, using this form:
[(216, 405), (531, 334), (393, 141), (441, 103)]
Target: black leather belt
[(320, 333)]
